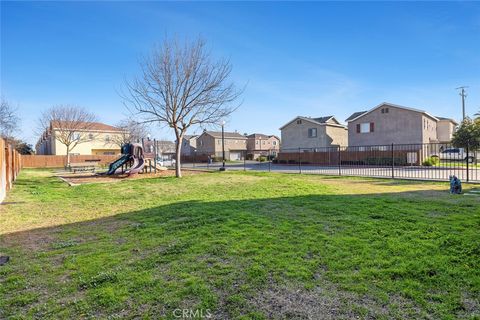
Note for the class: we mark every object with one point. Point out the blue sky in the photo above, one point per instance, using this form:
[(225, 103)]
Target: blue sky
[(310, 59)]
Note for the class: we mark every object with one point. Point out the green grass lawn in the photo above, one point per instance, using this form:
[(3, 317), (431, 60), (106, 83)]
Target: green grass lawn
[(239, 245)]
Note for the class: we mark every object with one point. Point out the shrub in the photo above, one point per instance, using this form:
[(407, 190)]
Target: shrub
[(431, 161), (262, 158)]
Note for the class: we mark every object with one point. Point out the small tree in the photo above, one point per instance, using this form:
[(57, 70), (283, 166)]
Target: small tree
[(468, 134), (181, 86), (132, 131), (71, 125), (8, 119)]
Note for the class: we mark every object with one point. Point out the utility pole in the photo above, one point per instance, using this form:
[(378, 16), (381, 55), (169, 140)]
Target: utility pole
[(463, 94)]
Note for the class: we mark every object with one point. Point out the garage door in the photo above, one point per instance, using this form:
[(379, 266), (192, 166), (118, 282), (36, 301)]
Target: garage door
[(235, 156)]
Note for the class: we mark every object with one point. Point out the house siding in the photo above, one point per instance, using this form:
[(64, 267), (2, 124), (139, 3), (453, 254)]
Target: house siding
[(445, 130), (207, 144), (295, 136), (398, 126)]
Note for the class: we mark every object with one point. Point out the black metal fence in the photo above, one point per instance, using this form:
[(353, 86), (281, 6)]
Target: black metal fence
[(429, 161)]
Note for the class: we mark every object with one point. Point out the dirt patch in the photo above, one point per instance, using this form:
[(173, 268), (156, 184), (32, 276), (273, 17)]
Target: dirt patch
[(329, 302), (77, 179)]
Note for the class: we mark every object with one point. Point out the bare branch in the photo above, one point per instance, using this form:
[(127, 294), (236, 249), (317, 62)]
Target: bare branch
[(132, 131), (9, 120), (71, 124), (181, 86)]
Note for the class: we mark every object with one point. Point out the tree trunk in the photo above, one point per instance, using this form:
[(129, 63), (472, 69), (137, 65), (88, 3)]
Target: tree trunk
[(178, 153), (68, 156), (178, 149)]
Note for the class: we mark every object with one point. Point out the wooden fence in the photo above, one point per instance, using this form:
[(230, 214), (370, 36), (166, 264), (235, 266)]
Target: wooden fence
[(351, 157), (10, 165), (40, 161)]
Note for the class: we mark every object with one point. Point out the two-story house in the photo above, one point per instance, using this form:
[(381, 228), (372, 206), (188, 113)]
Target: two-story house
[(96, 139), (389, 123), (210, 143), (310, 134), (189, 145), (259, 144)]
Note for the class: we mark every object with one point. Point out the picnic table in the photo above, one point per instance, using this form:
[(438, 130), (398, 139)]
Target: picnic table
[(82, 167)]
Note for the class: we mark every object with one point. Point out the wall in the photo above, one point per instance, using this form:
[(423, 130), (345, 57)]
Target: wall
[(295, 135), (339, 136), (49, 161), (10, 164), (429, 129), (398, 126), (445, 130), (86, 148), (207, 144)]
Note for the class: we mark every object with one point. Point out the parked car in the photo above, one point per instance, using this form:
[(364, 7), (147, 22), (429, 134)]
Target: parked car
[(455, 154), (164, 162)]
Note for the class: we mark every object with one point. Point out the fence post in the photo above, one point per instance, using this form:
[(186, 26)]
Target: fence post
[(339, 161), (393, 164), (468, 167), (299, 162)]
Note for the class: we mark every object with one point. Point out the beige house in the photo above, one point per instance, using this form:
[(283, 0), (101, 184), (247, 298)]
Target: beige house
[(210, 143), (309, 134), (445, 129), (99, 139), (262, 145), (189, 145), (388, 123)]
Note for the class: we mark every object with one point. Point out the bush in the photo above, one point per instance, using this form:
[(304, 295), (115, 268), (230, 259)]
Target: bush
[(262, 158), (431, 161)]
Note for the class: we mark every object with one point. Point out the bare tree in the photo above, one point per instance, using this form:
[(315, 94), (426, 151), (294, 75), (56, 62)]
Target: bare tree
[(71, 125), (180, 86), (8, 119), (132, 131)]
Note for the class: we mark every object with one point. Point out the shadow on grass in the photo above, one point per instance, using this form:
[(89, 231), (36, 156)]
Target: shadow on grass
[(317, 256)]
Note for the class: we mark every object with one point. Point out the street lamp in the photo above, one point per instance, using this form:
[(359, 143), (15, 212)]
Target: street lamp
[(223, 146)]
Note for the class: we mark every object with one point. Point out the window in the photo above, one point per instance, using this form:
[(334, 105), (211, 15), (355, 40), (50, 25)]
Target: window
[(264, 142), (219, 141), (274, 143), (256, 141), (76, 136), (386, 110), (299, 121), (90, 136), (312, 132), (365, 127), (107, 138), (109, 153)]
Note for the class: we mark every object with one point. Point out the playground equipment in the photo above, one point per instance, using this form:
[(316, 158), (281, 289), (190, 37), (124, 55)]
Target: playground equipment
[(131, 161)]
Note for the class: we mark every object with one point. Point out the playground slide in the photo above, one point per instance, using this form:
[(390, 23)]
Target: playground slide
[(117, 164), (137, 167)]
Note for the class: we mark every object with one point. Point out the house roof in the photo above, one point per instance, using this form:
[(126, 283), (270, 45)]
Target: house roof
[(227, 135), (355, 115), (98, 126), (447, 119), (320, 120), (325, 119), (362, 113), (261, 136), (189, 136)]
